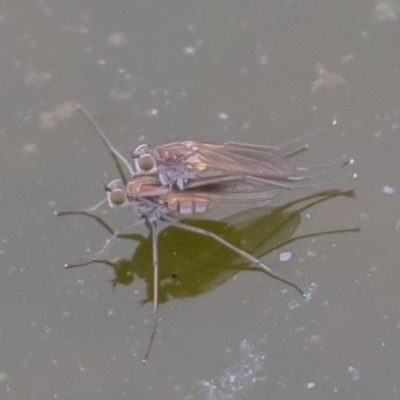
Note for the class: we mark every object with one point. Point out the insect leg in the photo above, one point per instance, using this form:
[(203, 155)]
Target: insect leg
[(87, 210), (105, 247), (290, 183), (154, 232), (242, 253), (332, 167)]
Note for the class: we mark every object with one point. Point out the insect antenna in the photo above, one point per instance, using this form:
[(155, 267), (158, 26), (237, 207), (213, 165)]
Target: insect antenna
[(114, 152), (302, 137)]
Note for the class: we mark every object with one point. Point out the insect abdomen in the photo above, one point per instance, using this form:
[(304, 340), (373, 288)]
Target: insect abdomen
[(189, 207)]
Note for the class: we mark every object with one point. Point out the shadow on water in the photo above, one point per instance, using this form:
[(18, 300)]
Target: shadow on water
[(192, 264)]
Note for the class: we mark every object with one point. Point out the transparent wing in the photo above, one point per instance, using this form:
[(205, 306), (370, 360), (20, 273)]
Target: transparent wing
[(208, 159), (238, 191), (228, 189)]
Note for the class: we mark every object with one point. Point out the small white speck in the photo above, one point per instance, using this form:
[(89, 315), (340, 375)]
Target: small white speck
[(222, 116), (311, 253), (311, 291), (377, 135), (153, 113), (117, 39), (4, 377), (120, 94), (263, 59), (315, 338), (310, 385), (356, 375), (388, 189), (285, 256), (29, 148), (189, 50), (386, 10)]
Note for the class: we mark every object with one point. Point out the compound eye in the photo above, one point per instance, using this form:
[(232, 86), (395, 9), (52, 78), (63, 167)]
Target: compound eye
[(147, 163), (143, 159), (117, 197), (116, 193)]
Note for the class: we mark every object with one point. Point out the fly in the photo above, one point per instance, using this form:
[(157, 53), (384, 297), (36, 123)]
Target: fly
[(190, 163), (187, 178)]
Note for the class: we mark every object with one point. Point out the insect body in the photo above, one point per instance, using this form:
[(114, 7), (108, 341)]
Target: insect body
[(184, 178), (184, 163), (190, 163)]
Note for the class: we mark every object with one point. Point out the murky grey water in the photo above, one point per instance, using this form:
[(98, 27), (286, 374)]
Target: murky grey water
[(259, 72)]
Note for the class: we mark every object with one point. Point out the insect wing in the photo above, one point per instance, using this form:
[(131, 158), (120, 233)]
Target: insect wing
[(239, 191), (147, 193), (208, 159), (186, 163)]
